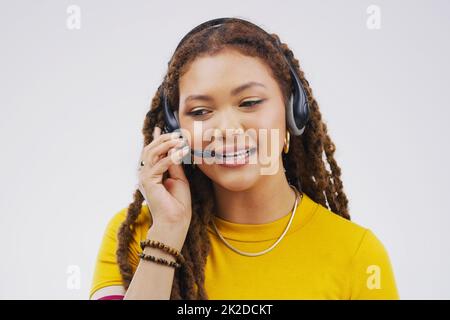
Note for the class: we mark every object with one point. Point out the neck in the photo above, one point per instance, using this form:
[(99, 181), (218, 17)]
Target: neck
[(270, 199)]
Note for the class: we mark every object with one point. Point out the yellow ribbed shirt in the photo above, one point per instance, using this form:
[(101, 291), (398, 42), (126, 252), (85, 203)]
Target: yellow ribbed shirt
[(322, 256)]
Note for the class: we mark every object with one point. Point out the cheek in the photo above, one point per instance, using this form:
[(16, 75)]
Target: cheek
[(273, 122), (272, 116)]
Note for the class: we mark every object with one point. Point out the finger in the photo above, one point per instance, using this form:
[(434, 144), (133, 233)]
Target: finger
[(156, 132), (176, 172), (162, 138), (173, 158), (161, 150)]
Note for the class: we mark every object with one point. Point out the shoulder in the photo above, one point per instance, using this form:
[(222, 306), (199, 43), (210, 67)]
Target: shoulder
[(142, 223), (338, 231), (106, 271), (363, 254), (352, 241), (138, 229)]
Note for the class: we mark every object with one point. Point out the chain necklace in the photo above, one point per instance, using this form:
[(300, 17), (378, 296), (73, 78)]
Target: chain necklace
[(299, 196)]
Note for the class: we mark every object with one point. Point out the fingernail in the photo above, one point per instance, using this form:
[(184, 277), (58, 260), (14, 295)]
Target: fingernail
[(180, 143)]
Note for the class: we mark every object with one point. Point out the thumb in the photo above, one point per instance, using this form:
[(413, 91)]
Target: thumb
[(176, 172), (177, 182)]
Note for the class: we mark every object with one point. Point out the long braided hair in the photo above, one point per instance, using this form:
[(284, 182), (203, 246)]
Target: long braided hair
[(307, 160)]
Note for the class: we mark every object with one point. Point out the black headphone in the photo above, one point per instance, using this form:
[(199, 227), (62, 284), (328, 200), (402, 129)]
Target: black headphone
[(297, 112)]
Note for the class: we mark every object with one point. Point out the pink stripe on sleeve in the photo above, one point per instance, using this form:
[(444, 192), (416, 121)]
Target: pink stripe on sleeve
[(112, 297)]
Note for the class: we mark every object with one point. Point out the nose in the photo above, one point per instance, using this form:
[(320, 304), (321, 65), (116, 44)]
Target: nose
[(230, 126)]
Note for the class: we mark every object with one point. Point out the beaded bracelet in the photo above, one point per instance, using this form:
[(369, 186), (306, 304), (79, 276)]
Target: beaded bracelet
[(159, 260), (160, 245)]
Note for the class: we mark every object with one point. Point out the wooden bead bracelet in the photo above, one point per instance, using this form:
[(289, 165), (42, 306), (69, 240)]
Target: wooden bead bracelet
[(159, 260), (157, 244)]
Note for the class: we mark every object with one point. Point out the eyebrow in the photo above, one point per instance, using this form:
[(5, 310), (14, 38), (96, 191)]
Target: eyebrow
[(233, 92)]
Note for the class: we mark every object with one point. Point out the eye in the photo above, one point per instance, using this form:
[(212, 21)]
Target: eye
[(247, 104), (251, 103), (198, 112)]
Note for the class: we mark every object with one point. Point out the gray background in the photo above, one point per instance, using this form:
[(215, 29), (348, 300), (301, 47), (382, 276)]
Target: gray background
[(73, 104)]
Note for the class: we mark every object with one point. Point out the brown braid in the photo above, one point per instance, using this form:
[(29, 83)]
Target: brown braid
[(306, 162)]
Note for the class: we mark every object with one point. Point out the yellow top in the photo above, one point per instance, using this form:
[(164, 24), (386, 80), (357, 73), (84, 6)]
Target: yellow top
[(322, 256)]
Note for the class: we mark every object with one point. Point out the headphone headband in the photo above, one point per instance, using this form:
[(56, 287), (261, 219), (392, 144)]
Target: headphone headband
[(214, 23)]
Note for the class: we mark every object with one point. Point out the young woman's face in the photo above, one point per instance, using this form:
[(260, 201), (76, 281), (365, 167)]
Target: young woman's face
[(225, 118)]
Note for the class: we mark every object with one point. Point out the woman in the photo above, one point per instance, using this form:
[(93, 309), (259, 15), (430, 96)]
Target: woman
[(250, 226)]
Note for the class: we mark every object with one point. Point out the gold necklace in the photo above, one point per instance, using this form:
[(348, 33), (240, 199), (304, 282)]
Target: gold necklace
[(299, 195)]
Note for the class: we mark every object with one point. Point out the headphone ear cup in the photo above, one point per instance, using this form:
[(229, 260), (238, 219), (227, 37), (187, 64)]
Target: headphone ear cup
[(290, 115), (291, 120), (298, 106), (170, 119)]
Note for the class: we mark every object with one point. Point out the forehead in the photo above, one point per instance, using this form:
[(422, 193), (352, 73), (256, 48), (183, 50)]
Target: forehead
[(226, 69)]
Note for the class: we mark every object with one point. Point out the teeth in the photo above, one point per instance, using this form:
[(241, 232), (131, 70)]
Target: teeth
[(240, 154)]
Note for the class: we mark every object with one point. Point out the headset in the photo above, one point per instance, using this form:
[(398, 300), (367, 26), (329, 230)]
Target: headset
[(297, 111)]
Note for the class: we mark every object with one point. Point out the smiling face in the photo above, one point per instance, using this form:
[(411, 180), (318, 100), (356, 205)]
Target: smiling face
[(230, 91)]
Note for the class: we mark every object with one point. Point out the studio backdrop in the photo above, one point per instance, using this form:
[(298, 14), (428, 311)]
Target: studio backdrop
[(77, 78)]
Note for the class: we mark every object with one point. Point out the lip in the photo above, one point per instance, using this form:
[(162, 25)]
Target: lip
[(237, 163)]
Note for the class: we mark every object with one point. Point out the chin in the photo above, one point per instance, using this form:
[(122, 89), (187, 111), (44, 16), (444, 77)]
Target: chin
[(234, 179)]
